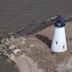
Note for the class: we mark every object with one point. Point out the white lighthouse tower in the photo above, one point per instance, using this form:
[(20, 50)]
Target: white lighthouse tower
[(59, 43)]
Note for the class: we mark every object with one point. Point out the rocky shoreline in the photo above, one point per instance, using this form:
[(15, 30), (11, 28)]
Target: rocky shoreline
[(38, 50)]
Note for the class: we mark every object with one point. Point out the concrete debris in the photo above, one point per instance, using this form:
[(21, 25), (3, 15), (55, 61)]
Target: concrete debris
[(32, 46), (12, 44), (16, 51)]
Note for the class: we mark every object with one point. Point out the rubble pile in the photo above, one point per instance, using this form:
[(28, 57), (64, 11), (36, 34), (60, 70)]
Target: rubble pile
[(15, 45), (12, 45)]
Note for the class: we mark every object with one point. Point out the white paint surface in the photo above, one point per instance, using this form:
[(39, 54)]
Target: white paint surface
[(59, 43)]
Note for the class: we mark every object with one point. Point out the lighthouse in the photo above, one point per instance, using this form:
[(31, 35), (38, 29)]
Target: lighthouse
[(59, 43)]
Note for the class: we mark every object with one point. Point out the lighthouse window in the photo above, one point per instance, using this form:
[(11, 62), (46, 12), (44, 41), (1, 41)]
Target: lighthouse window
[(56, 42), (63, 46)]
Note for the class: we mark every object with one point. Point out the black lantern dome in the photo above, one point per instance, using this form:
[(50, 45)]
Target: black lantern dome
[(59, 21)]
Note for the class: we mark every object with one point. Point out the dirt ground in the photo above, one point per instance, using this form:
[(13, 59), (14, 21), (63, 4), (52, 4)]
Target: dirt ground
[(37, 47), (49, 61), (46, 35)]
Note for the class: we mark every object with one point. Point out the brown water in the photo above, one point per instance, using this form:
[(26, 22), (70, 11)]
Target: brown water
[(6, 65), (15, 14)]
